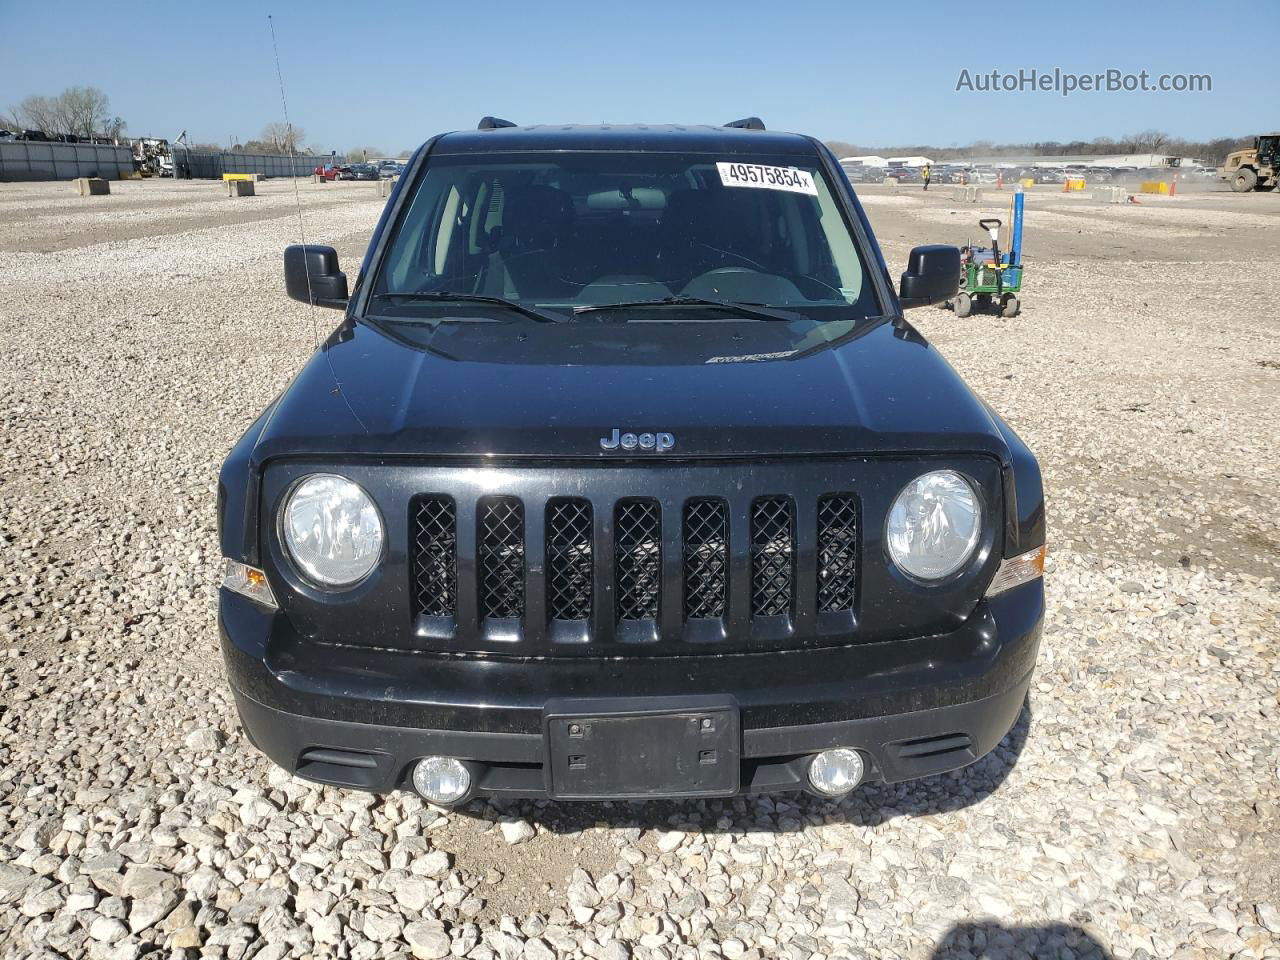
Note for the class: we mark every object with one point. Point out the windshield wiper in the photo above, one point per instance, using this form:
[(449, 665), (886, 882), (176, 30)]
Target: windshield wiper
[(446, 296), (756, 311)]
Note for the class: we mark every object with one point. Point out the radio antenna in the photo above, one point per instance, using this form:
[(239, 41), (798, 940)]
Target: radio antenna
[(293, 171)]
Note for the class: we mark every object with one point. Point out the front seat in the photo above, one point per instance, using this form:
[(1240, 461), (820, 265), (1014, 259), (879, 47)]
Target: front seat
[(531, 258)]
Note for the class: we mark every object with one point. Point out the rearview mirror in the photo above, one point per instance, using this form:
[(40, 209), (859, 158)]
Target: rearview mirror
[(311, 275), (932, 276)]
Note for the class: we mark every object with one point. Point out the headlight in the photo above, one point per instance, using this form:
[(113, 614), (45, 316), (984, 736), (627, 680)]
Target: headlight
[(332, 530), (934, 525)]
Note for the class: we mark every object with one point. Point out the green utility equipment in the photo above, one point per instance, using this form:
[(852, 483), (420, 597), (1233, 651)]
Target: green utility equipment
[(989, 277)]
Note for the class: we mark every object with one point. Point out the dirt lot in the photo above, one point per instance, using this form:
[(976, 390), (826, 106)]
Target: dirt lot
[(1134, 811)]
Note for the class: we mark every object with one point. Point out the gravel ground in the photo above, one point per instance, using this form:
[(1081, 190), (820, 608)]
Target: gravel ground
[(1134, 811)]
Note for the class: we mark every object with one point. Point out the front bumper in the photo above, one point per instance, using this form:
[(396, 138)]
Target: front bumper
[(360, 717)]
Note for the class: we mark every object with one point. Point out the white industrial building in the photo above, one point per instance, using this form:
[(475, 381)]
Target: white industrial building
[(909, 162), (878, 161)]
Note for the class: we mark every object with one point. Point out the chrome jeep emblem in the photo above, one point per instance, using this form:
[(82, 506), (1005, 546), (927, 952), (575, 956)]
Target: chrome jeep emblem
[(657, 442)]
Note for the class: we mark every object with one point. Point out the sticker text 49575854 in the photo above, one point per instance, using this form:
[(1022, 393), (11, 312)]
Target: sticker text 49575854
[(764, 177)]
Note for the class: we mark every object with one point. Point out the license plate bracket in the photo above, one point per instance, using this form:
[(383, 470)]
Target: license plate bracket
[(596, 751)]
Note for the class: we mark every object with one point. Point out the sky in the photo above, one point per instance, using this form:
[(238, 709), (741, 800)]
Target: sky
[(389, 73)]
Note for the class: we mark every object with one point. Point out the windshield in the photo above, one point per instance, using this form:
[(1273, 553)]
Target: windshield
[(580, 229)]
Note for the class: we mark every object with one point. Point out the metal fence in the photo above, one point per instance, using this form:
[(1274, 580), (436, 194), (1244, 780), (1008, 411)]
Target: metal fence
[(33, 160), (214, 165)]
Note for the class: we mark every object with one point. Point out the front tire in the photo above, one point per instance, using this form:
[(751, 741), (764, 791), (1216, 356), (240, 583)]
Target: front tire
[(1243, 180), (964, 305), (1010, 306)]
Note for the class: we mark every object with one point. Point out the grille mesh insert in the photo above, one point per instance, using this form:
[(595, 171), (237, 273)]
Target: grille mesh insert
[(837, 552), (705, 558), (572, 579), (637, 558), (569, 559), (772, 554), (435, 554), (501, 557)]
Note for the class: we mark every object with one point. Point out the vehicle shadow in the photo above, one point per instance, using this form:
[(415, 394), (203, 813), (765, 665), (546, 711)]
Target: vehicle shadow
[(871, 805), (995, 941)]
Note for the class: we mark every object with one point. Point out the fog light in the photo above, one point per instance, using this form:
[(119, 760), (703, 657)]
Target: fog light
[(441, 780), (836, 772)]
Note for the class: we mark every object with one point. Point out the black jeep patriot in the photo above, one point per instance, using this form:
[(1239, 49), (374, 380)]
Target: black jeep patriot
[(624, 477)]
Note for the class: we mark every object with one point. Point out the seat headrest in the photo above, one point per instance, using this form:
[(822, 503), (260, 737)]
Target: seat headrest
[(536, 216)]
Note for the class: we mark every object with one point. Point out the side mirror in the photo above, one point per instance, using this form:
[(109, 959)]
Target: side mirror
[(932, 276), (311, 275)]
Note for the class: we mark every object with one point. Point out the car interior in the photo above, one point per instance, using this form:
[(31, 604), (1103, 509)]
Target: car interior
[(552, 234)]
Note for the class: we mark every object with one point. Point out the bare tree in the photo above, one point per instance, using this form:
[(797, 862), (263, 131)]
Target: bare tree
[(361, 154), (77, 111), (84, 110), (1154, 140), (41, 113), (285, 137)]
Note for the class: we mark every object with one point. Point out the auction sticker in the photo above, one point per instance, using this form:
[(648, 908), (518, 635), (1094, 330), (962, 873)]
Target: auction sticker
[(764, 177)]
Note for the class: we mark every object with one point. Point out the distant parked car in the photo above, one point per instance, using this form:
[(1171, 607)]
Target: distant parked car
[(903, 174), (861, 173), (326, 171), (389, 171), (6, 135), (364, 171)]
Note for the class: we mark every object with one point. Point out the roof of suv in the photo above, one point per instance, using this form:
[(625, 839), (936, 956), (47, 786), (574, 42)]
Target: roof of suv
[(668, 138)]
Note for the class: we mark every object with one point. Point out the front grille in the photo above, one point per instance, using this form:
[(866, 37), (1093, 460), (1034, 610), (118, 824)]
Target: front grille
[(706, 540), (837, 553), (435, 552), (501, 556), (569, 559), (772, 556), (665, 572), (638, 558)]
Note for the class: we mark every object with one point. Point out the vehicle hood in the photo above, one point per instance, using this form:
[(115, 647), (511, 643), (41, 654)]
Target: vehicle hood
[(532, 390)]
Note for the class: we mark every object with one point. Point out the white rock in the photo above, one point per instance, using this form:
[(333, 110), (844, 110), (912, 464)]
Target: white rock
[(433, 864), (1269, 917), (204, 740), (107, 930), (413, 895), (516, 831), (427, 940), (669, 840), (326, 929)]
